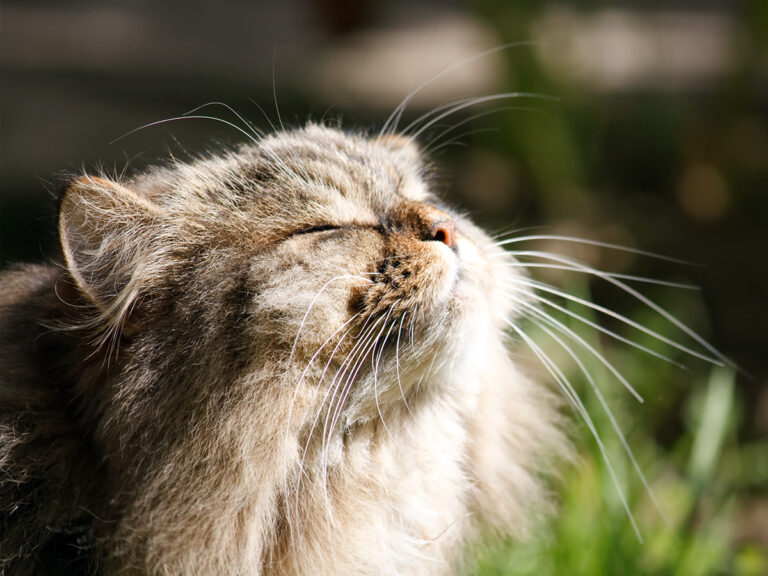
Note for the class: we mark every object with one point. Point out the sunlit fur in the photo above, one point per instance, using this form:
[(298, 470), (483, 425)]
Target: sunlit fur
[(264, 362)]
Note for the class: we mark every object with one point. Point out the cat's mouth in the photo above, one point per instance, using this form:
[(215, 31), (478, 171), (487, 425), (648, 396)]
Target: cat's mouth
[(417, 282)]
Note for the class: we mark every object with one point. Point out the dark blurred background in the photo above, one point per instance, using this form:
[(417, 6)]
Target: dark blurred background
[(658, 140)]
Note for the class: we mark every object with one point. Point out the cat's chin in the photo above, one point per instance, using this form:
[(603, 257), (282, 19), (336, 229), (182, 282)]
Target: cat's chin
[(443, 363), (439, 356)]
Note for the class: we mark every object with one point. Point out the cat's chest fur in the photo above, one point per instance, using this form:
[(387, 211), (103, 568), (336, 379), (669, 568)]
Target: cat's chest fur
[(389, 502)]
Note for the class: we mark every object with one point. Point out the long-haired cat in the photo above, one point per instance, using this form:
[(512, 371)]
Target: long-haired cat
[(286, 359)]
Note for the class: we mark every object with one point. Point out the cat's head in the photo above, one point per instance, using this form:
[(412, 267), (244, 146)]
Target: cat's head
[(318, 261)]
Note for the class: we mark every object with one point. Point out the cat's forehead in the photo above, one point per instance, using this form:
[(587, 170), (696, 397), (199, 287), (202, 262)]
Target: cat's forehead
[(353, 164), (292, 179)]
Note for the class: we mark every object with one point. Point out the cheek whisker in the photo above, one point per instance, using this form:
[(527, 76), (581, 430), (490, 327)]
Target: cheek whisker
[(317, 417), (316, 354), (586, 345), (611, 417), (352, 359), (293, 351), (543, 287), (314, 395), (428, 373), (506, 233), (598, 243), (606, 331), (311, 305), (576, 401), (397, 363), (635, 278), (353, 375), (378, 363), (413, 327), (640, 297), (323, 466), (333, 412)]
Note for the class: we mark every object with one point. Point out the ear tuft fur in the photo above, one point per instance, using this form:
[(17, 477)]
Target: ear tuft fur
[(102, 227), (400, 143)]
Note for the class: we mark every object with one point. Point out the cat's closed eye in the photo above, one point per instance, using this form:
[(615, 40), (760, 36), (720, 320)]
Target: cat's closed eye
[(318, 228)]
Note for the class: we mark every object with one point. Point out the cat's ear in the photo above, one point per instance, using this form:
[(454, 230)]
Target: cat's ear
[(402, 144), (103, 229)]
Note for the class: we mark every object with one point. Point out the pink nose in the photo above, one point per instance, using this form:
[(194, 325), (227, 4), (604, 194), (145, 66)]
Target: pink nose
[(445, 232)]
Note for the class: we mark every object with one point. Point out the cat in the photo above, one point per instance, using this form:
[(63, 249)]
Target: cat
[(287, 358)]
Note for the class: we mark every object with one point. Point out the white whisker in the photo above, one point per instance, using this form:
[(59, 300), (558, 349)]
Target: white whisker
[(239, 116), (394, 118), (186, 117), (611, 417), (458, 139), (302, 473), (274, 90), (263, 113), (377, 363), (603, 360), (620, 317), (588, 242), (638, 296), (428, 146), (309, 436), (462, 104), (643, 279), (353, 376), (610, 333), (397, 363), (571, 394), (311, 304), (355, 358)]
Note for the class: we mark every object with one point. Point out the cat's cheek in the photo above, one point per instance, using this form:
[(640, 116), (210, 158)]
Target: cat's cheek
[(492, 272), (474, 307)]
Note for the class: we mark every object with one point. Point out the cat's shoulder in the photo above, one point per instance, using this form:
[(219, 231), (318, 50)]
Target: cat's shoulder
[(19, 282)]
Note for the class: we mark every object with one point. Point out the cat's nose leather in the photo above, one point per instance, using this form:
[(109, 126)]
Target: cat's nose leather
[(445, 231), (438, 226), (428, 223)]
